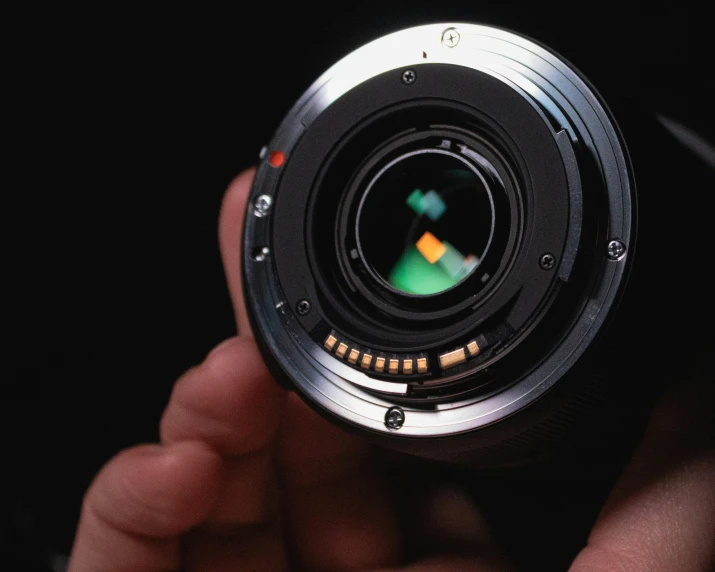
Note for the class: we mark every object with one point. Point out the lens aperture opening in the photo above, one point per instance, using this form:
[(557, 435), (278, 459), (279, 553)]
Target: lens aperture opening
[(425, 222)]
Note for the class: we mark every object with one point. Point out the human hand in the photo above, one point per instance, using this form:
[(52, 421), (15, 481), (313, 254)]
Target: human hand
[(247, 477)]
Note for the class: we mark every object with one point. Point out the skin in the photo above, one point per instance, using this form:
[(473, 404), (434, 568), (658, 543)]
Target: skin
[(247, 477)]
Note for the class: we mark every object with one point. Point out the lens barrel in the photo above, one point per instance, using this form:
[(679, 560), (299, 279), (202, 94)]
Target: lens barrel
[(449, 233)]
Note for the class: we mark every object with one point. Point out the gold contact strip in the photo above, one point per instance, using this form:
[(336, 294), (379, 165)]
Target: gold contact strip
[(450, 359), (352, 358), (330, 342), (394, 365), (409, 366), (422, 365)]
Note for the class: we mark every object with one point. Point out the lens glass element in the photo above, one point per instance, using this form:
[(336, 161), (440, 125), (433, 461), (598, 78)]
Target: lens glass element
[(425, 222)]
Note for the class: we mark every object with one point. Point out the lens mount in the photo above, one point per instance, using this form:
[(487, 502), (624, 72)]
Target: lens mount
[(438, 244)]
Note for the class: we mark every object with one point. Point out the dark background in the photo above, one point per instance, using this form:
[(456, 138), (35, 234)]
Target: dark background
[(131, 125)]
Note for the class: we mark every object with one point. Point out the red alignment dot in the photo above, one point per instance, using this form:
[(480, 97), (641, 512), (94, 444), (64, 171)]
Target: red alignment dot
[(276, 159)]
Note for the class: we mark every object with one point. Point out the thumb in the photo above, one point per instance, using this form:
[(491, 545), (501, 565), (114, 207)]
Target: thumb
[(661, 513), (230, 229)]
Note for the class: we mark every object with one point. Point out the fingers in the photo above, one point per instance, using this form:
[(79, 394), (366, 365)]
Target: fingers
[(453, 563), (442, 527), (259, 547), (661, 514), (248, 494), (338, 513), (443, 519), (230, 230), (140, 503), (229, 401)]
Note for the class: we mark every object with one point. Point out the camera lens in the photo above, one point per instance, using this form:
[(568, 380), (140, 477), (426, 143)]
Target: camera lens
[(425, 222), (437, 242)]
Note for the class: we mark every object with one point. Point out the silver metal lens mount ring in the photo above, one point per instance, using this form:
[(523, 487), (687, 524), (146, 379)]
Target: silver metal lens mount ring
[(564, 101)]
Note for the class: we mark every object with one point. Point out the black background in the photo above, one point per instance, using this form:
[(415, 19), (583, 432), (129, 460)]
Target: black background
[(130, 127)]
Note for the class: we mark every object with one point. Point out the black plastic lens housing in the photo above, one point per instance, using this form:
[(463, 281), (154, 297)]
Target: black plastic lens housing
[(441, 238)]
